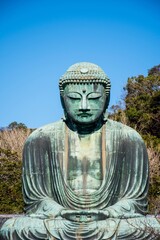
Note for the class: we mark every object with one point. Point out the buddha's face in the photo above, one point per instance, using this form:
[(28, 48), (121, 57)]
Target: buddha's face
[(84, 103)]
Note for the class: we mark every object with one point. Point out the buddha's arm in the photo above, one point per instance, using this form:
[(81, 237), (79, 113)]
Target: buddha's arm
[(133, 181), (39, 177)]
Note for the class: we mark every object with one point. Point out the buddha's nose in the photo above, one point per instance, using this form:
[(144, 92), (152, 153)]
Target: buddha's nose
[(84, 106)]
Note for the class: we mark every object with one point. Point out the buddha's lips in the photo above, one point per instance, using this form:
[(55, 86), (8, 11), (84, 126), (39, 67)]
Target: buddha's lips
[(84, 114)]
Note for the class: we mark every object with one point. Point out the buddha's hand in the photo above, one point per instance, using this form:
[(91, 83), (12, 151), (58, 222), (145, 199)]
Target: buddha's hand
[(84, 215)]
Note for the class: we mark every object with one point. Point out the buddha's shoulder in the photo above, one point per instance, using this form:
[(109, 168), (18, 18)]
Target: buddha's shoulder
[(122, 129), (47, 130)]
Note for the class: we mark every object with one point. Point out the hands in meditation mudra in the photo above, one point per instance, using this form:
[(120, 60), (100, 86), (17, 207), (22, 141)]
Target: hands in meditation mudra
[(85, 176)]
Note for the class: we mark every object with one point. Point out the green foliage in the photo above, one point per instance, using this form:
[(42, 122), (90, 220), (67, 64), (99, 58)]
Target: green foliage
[(154, 189), (142, 112), (154, 71), (152, 141), (143, 104), (12, 141), (10, 179)]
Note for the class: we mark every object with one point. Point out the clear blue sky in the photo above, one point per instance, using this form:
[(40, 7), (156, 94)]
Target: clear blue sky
[(39, 40)]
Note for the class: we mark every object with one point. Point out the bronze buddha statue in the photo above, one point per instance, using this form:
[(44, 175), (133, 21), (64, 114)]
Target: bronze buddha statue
[(85, 176)]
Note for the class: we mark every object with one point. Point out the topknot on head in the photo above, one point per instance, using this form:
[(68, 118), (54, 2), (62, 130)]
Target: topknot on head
[(84, 72)]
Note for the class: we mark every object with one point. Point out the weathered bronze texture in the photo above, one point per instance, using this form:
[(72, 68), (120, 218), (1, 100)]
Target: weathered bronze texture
[(85, 176)]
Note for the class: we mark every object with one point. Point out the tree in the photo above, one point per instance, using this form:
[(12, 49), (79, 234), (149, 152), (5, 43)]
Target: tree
[(143, 103), (15, 125), (10, 182), (142, 112), (154, 71), (11, 144)]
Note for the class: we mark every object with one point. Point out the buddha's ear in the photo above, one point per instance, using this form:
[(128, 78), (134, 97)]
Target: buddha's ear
[(63, 106), (62, 100), (107, 101)]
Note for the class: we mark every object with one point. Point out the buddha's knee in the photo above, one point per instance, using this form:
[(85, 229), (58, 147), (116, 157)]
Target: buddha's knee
[(139, 228), (23, 228)]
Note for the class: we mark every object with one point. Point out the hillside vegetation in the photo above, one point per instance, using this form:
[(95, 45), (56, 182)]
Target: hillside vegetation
[(140, 109), (11, 146)]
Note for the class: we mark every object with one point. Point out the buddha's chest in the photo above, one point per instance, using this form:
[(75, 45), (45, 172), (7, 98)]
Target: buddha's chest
[(84, 167)]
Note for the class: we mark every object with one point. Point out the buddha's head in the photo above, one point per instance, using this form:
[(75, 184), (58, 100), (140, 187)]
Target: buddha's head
[(85, 93)]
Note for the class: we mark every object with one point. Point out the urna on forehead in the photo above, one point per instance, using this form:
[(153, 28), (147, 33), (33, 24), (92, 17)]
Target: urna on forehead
[(85, 72)]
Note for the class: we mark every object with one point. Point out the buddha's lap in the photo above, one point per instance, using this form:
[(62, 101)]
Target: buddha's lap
[(41, 226)]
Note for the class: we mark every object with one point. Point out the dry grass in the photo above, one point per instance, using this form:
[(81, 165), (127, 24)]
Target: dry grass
[(154, 160), (154, 196), (14, 140), (119, 116)]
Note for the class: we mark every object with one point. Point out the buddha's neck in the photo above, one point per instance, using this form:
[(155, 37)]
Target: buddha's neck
[(85, 128)]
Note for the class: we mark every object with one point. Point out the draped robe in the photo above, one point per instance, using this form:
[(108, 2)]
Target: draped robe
[(123, 191)]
